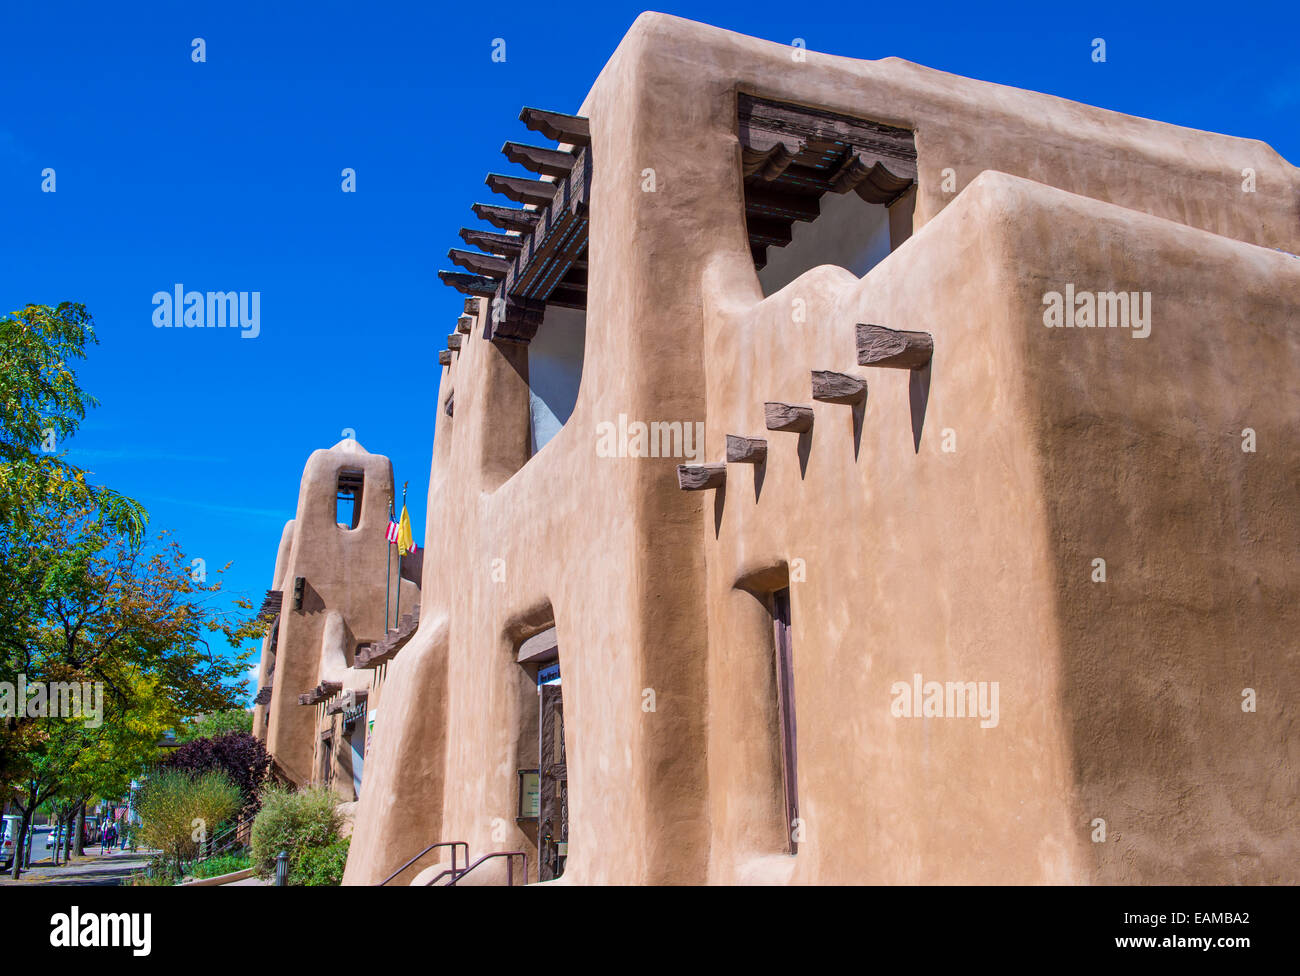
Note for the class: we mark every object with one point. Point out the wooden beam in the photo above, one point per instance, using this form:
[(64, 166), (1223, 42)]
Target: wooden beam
[(444, 357), (454, 341), (873, 180), (547, 162), (699, 477), (479, 263), (788, 416), (464, 324), (837, 387), (766, 154), (507, 218), (518, 320), (573, 129), (520, 189), (879, 346), (766, 202), (746, 450), (506, 245), (768, 231), (469, 284), (471, 306)]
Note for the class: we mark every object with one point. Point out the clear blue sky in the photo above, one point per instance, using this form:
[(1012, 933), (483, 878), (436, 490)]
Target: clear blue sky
[(226, 176)]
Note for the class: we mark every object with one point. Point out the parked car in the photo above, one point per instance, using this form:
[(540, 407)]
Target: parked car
[(61, 833), (9, 833)]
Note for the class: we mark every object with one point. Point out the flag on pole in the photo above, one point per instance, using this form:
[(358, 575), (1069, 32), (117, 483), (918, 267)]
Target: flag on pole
[(392, 531), (405, 543)]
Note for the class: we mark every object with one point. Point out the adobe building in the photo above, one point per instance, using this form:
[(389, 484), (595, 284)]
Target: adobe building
[(955, 584), (326, 651)]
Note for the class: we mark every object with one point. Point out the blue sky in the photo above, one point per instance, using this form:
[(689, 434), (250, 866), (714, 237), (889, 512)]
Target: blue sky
[(225, 175)]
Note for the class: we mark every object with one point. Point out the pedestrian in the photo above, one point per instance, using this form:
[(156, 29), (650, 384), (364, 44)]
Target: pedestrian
[(112, 836), (103, 839)]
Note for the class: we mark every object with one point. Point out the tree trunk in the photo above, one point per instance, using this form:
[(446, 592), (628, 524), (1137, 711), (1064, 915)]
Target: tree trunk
[(79, 848), (20, 847)]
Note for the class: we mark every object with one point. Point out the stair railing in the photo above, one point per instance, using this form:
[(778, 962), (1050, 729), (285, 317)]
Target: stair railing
[(453, 844)]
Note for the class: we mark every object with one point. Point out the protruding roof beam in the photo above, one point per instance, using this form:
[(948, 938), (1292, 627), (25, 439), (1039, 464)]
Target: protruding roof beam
[(837, 387), (572, 129), (546, 162), (699, 477), (788, 416), (746, 450), (522, 190), (444, 357), (879, 346), (507, 218), (479, 263)]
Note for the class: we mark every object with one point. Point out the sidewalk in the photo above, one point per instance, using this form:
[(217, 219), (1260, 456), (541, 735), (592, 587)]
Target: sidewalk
[(90, 869)]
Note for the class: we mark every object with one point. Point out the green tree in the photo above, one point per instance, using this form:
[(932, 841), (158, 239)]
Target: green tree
[(214, 724), (41, 407)]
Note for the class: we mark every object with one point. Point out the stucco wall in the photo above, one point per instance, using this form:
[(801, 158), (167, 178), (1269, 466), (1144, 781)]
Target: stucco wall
[(971, 564)]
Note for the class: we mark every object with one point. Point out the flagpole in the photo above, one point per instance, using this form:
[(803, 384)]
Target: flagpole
[(388, 566), (397, 613)]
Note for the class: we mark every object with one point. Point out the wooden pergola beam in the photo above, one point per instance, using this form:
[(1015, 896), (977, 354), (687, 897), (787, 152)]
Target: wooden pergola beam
[(571, 129), (507, 218), (545, 162), (520, 189), (469, 284), (479, 263), (505, 245)]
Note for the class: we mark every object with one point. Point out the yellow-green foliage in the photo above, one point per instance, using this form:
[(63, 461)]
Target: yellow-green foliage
[(180, 812)]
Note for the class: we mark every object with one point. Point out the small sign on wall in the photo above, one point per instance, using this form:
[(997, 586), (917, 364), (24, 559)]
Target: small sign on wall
[(530, 794)]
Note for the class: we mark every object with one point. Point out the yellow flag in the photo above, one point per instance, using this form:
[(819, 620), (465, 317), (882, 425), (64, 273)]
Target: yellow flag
[(405, 543)]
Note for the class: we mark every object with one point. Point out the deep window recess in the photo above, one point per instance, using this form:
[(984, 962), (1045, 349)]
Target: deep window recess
[(820, 188), (347, 502), (785, 713)]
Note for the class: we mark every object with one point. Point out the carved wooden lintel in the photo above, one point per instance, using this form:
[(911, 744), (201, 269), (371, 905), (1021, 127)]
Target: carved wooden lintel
[(879, 346), (788, 417), (838, 387), (746, 450), (699, 477)]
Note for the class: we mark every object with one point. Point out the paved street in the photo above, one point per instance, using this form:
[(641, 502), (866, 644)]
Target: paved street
[(93, 869)]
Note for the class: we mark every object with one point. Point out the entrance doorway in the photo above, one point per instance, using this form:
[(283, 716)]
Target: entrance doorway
[(553, 809)]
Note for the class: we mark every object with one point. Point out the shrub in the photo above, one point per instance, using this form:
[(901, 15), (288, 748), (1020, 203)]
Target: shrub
[(180, 811), (239, 755), (293, 822), (222, 864), (324, 865)]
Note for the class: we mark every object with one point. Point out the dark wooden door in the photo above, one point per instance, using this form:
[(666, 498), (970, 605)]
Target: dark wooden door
[(785, 709), (553, 814)]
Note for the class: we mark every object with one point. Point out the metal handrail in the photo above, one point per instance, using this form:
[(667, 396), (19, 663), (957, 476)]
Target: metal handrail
[(510, 867), (453, 844)]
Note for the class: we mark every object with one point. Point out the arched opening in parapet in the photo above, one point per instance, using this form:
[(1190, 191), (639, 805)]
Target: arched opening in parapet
[(822, 188), (347, 498)]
